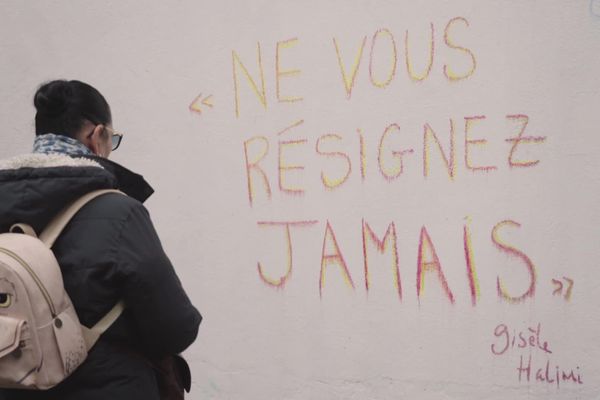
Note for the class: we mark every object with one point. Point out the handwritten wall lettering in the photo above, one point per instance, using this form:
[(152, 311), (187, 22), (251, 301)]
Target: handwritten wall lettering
[(429, 268), (535, 356), (275, 163)]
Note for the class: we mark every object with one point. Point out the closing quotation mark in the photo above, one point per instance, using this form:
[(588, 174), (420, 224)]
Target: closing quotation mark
[(559, 287)]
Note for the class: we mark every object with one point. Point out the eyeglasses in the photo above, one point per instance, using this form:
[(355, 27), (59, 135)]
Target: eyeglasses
[(115, 138)]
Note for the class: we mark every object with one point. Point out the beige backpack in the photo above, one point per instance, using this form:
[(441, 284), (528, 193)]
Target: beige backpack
[(41, 339)]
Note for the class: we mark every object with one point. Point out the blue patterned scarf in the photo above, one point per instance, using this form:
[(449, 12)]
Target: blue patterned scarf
[(52, 143)]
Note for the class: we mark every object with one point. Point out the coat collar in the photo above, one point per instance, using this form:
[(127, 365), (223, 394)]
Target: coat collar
[(132, 184)]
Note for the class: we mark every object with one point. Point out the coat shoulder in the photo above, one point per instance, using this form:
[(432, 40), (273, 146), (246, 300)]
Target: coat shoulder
[(110, 206)]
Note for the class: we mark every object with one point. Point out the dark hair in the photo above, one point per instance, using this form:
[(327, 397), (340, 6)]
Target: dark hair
[(62, 106)]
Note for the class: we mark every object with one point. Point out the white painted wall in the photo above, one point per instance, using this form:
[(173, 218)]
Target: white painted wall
[(310, 339)]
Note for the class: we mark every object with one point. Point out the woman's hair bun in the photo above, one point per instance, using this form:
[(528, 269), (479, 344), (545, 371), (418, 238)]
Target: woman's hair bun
[(64, 106), (53, 98)]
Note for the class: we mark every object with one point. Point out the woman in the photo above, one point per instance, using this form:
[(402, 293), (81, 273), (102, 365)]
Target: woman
[(108, 252)]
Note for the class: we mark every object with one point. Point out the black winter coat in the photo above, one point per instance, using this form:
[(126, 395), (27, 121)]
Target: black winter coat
[(109, 251)]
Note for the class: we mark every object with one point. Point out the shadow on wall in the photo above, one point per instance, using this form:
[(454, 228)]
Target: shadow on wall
[(595, 8)]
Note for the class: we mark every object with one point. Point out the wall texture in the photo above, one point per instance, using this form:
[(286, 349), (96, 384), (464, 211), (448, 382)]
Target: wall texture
[(366, 199)]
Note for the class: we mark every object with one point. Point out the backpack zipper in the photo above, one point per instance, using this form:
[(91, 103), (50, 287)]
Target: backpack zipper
[(35, 278)]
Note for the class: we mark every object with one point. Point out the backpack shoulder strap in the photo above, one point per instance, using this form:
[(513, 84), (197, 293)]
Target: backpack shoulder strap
[(49, 236), (58, 223), (91, 335)]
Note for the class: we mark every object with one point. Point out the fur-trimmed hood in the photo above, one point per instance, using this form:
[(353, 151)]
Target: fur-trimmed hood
[(41, 160), (35, 186)]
